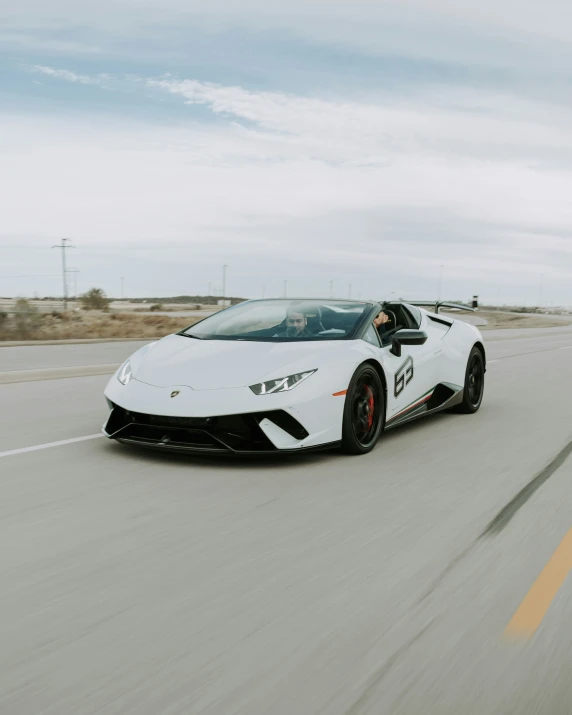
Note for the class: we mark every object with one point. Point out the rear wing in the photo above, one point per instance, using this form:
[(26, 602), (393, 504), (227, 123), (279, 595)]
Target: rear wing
[(436, 304)]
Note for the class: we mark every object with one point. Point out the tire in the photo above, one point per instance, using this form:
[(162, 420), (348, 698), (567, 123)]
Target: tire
[(364, 411), (474, 386)]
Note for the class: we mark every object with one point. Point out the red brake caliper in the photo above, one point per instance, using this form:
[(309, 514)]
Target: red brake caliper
[(371, 405)]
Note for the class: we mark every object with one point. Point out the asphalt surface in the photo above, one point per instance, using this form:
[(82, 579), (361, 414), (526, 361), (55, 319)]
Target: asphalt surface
[(30, 363), (154, 584), (32, 357)]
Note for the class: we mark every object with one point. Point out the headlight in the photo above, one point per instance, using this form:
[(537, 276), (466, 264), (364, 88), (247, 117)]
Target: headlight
[(282, 384), (125, 374)]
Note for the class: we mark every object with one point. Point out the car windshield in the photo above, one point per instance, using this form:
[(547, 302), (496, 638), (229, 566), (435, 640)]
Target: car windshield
[(282, 320)]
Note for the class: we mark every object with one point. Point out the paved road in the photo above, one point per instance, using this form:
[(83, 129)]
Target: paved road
[(135, 583), (33, 363), (34, 357)]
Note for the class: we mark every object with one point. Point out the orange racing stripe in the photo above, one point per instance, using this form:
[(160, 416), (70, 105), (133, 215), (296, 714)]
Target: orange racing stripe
[(415, 404), (339, 394)]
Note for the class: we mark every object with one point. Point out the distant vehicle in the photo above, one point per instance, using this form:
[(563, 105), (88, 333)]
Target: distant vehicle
[(284, 375)]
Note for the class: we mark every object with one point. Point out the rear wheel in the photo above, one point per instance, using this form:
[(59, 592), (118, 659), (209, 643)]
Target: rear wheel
[(474, 383), (364, 411)]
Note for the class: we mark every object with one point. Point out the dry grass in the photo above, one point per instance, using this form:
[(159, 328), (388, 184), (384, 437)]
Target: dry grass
[(92, 324), (98, 324), (497, 320)]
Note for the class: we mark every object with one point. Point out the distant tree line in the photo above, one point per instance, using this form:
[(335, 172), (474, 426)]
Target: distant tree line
[(175, 300), (94, 296)]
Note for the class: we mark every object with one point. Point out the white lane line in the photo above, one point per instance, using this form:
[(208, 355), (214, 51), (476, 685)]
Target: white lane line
[(23, 450), (103, 365), (568, 347), (56, 373), (490, 361)]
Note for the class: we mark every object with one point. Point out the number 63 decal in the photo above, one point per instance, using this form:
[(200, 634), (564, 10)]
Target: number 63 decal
[(403, 376)]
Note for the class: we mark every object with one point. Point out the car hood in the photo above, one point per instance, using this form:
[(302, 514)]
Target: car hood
[(220, 364)]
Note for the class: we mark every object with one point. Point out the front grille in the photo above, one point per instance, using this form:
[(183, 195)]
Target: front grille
[(172, 438), (234, 433), (185, 422)]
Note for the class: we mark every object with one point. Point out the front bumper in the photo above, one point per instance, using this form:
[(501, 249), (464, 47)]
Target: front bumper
[(222, 421), (228, 434)]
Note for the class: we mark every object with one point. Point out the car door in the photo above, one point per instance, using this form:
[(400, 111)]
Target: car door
[(412, 377)]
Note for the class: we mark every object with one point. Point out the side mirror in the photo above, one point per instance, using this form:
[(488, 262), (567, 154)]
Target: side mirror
[(407, 337)]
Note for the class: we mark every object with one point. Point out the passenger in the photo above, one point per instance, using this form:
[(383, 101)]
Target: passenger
[(296, 325)]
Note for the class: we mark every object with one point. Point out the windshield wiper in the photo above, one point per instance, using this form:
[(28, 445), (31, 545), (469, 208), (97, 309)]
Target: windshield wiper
[(188, 335)]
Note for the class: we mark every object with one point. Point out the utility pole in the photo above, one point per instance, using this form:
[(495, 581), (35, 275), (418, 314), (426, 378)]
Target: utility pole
[(122, 293), (64, 245), (75, 283), (440, 283), (331, 289), (540, 290), (224, 284)]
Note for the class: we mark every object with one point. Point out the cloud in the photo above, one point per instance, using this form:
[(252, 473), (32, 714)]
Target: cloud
[(438, 120), (313, 186), (277, 154), (489, 33), (36, 41), (68, 76)]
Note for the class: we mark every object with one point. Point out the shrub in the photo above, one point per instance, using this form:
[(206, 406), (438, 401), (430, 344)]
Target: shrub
[(95, 299), (156, 306), (27, 319)]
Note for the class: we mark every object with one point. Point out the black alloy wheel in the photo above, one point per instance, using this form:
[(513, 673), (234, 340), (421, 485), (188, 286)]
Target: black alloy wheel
[(364, 411), (474, 383)]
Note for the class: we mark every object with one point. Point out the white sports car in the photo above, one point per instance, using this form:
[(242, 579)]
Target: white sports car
[(289, 375)]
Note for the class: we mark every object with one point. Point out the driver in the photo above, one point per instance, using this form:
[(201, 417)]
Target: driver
[(296, 325), (380, 324)]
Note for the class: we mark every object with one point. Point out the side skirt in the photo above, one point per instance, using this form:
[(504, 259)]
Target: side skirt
[(442, 397)]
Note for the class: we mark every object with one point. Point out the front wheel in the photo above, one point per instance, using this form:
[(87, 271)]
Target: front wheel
[(364, 411), (474, 383)]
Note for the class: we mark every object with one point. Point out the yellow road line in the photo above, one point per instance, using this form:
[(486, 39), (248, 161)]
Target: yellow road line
[(537, 601)]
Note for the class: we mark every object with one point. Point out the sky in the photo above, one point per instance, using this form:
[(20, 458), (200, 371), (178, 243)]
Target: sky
[(396, 148)]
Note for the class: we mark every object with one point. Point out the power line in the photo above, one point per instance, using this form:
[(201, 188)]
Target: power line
[(75, 284)]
